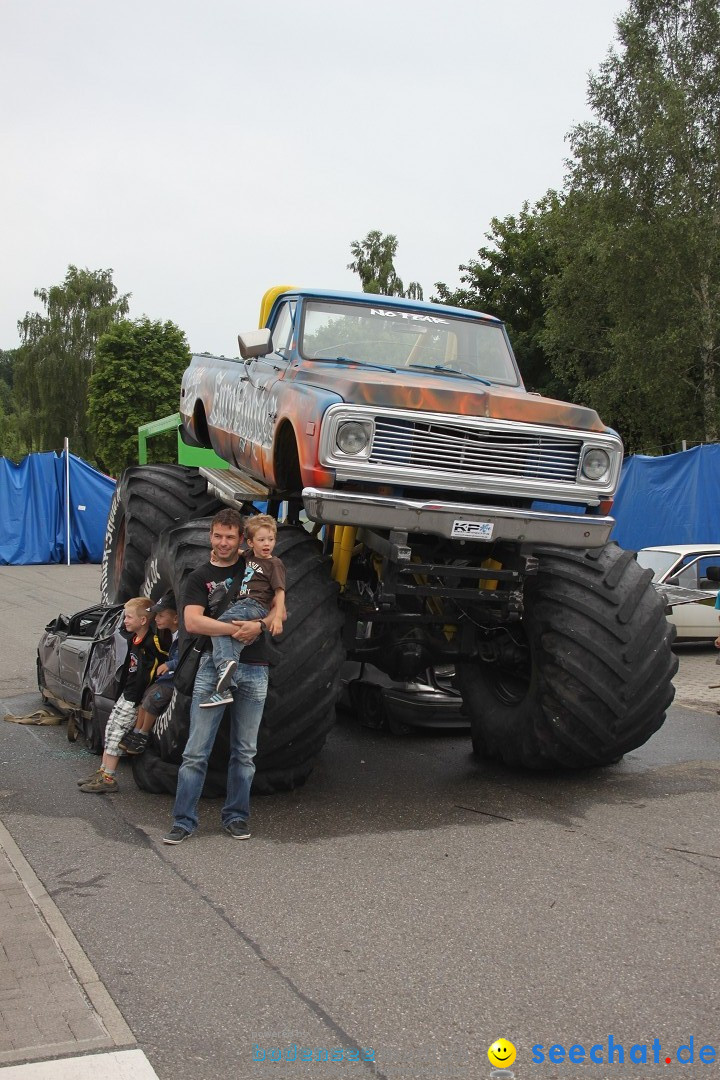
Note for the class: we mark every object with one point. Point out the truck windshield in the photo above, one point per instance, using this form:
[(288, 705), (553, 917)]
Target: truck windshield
[(398, 337)]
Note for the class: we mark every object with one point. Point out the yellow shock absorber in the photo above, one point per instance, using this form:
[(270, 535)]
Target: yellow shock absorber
[(343, 547), (338, 530), (489, 583)]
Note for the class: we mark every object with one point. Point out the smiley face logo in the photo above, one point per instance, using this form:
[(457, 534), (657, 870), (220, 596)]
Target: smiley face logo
[(501, 1054)]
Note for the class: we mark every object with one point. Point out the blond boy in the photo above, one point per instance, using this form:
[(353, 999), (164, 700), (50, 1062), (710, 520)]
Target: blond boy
[(145, 652), (261, 597)]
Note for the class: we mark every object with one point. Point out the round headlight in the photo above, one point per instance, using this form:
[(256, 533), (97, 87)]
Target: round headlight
[(352, 437), (595, 464)]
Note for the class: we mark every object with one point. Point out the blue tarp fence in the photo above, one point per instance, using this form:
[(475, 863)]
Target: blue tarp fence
[(669, 500), (33, 510)]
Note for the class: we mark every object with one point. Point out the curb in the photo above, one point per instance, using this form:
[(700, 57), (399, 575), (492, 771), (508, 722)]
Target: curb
[(70, 947)]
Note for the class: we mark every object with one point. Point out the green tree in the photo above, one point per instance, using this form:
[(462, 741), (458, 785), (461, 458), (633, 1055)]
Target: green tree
[(634, 311), (12, 444), (57, 356), (138, 369), (8, 358), (509, 280), (374, 263)]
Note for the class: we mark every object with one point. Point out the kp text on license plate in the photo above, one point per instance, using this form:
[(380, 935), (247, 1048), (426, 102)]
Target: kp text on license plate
[(472, 530)]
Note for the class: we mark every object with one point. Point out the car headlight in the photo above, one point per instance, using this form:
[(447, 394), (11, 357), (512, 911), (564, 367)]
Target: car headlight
[(352, 437), (595, 464)]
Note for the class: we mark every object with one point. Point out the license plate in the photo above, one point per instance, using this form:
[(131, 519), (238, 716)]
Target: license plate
[(472, 530)]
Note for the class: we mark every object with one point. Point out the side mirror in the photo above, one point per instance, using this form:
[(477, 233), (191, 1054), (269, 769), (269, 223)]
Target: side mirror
[(255, 343)]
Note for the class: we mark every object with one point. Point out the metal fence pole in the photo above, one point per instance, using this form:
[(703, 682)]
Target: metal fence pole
[(66, 451)]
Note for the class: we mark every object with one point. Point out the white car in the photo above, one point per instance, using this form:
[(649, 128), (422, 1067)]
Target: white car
[(690, 566)]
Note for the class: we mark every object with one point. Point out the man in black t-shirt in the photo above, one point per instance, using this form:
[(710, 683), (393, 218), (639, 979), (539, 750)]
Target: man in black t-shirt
[(205, 589)]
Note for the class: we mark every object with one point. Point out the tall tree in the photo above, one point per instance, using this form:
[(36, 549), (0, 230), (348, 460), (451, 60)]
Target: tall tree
[(374, 263), (634, 311), (57, 355), (12, 444), (8, 358), (509, 279), (138, 369)]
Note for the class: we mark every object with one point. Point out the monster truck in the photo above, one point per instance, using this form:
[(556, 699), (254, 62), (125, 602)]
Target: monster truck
[(433, 511)]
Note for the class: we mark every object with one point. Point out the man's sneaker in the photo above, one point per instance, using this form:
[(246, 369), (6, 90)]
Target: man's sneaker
[(89, 779), (176, 835), (238, 830), (225, 671), (216, 699), (101, 784), (135, 742)]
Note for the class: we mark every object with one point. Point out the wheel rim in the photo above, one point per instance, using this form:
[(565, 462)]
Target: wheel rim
[(510, 677), (510, 687)]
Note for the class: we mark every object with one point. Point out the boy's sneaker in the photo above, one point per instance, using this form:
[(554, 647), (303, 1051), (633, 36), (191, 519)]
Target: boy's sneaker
[(89, 779), (135, 742), (141, 741), (225, 672), (176, 835), (101, 784), (127, 743), (216, 699), (238, 830)]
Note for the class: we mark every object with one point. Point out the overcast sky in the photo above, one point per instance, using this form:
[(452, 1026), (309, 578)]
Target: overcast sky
[(207, 149)]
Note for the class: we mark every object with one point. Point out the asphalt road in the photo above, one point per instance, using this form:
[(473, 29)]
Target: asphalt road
[(407, 901)]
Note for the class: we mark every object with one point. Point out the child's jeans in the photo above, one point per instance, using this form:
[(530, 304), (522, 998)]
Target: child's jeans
[(229, 648)]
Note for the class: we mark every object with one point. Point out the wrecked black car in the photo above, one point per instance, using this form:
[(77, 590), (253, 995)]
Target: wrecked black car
[(79, 664)]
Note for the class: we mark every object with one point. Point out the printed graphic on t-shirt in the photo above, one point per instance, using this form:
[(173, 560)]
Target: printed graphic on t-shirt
[(251, 570), (217, 590), (262, 578)]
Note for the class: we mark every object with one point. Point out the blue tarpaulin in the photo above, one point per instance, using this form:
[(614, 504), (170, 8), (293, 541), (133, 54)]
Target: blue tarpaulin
[(661, 500), (33, 510), (669, 500)]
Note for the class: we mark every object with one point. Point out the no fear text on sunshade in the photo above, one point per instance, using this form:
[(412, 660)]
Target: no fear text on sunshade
[(411, 316)]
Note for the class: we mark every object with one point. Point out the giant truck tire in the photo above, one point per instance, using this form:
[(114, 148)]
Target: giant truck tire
[(157, 774), (598, 669), (148, 499), (305, 663)]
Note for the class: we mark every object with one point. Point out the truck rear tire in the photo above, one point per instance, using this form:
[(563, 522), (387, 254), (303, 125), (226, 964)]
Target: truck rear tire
[(147, 500), (305, 663), (598, 670)]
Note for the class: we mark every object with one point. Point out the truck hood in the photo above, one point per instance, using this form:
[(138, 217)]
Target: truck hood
[(407, 389)]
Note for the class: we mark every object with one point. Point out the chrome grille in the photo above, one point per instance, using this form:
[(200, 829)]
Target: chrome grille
[(451, 449)]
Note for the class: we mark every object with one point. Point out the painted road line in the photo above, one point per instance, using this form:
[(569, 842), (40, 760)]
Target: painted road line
[(117, 1065)]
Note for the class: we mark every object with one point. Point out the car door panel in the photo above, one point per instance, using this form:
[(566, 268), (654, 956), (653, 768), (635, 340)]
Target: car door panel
[(74, 652), (49, 653), (106, 663)]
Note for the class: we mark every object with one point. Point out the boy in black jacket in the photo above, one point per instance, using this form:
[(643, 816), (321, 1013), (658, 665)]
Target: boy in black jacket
[(145, 652), (159, 693)]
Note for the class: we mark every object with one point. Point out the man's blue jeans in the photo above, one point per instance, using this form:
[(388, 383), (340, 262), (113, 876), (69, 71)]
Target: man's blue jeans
[(245, 716)]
